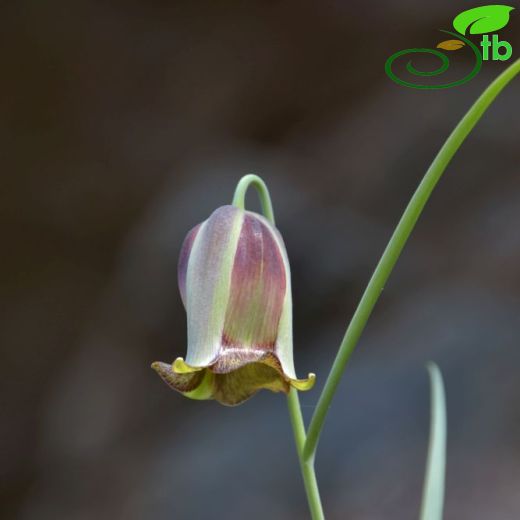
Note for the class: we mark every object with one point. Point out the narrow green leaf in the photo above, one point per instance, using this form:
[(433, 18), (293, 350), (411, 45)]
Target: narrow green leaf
[(433, 490), (394, 249), (484, 19)]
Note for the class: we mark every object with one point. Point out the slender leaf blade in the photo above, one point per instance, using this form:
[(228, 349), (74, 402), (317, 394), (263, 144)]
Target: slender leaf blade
[(433, 491)]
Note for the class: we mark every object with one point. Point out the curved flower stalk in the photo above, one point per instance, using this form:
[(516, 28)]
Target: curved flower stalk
[(234, 280)]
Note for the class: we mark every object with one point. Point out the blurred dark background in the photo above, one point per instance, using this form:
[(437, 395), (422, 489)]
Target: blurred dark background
[(122, 125)]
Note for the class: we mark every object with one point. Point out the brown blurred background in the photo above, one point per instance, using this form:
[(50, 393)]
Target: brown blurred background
[(122, 125)]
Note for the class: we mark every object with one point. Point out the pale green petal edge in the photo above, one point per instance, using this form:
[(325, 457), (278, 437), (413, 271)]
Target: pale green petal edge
[(207, 303)]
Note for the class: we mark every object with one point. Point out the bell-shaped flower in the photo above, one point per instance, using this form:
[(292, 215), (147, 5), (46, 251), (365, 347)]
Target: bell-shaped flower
[(234, 281)]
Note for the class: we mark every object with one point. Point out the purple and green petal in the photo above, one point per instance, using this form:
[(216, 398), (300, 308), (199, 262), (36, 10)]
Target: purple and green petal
[(258, 286)]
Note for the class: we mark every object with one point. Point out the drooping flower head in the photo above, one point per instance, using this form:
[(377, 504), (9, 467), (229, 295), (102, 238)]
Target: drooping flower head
[(234, 280)]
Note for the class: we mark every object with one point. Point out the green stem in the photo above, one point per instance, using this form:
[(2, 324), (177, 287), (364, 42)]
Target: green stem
[(393, 250), (293, 402), (307, 466), (239, 199)]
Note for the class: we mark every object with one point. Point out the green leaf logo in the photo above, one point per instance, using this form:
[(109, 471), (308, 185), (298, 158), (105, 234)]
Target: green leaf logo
[(484, 19)]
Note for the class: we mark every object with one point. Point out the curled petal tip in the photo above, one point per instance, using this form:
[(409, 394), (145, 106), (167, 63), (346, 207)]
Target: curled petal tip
[(193, 384), (304, 384), (164, 370), (179, 366), (156, 365)]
